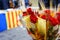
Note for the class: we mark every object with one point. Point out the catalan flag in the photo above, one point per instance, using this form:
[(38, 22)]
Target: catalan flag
[(10, 19)]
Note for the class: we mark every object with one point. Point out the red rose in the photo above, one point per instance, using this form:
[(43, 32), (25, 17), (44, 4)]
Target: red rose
[(29, 10), (58, 13), (58, 16), (25, 13), (53, 21), (43, 16), (47, 11), (33, 18)]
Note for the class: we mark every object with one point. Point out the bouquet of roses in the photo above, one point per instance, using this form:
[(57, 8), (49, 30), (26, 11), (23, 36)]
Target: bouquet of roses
[(41, 26), (35, 25)]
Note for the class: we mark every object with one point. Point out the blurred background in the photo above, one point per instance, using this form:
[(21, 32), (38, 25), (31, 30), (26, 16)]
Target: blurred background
[(6, 4)]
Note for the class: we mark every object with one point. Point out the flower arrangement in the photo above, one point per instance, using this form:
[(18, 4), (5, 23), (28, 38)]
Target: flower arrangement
[(44, 27)]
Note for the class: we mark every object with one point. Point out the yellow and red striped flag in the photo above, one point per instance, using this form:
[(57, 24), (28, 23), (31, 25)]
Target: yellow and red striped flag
[(12, 18)]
